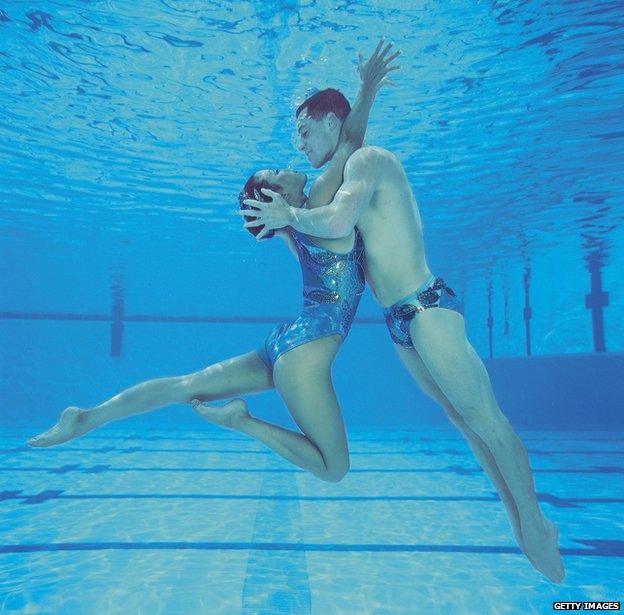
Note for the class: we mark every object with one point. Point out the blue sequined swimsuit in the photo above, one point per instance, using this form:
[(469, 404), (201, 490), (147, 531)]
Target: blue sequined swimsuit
[(332, 286)]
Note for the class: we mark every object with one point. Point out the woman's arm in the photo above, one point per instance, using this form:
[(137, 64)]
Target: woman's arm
[(373, 74), (284, 234)]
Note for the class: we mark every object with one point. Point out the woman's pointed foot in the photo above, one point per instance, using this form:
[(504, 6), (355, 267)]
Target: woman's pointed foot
[(71, 424), (230, 416)]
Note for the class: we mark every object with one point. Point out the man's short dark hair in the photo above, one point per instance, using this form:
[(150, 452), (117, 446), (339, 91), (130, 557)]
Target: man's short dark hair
[(253, 190), (326, 101)]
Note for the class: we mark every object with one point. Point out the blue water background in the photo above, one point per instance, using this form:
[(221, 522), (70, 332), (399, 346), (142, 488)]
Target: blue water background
[(126, 132)]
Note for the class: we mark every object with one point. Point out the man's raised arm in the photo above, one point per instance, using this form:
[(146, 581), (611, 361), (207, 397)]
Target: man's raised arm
[(373, 75)]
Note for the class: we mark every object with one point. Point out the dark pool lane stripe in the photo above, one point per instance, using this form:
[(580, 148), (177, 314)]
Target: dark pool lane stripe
[(44, 496), (216, 435), (597, 548), (455, 469), (242, 451)]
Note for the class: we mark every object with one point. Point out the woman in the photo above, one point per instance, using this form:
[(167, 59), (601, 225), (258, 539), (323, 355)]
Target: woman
[(296, 358)]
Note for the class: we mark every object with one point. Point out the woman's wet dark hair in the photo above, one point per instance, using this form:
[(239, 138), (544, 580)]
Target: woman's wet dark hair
[(253, 190)]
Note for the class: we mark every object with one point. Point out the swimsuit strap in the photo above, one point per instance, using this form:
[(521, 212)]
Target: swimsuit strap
[(300, 238)]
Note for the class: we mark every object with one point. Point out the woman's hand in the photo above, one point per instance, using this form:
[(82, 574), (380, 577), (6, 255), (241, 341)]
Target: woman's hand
[(273, 214)]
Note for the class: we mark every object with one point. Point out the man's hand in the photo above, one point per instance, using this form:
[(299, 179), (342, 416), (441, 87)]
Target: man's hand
[(374, 71), (273, 214)]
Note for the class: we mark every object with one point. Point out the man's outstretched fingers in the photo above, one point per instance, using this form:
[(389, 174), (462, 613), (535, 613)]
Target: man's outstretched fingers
[(248, 213), (388, 81), (269, 192), (392, 57), (252, 203), (379, 44), (385, 51)]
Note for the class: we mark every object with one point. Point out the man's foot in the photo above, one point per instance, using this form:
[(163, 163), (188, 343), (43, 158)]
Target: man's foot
[(231, 415), (542, 549), (515, 526), (72, 424)]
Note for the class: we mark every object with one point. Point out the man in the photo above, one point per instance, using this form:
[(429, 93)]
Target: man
[(422, 315)]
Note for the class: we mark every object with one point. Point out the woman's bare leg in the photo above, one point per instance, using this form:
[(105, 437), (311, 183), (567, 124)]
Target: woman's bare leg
[(237, 376), (302, 376)]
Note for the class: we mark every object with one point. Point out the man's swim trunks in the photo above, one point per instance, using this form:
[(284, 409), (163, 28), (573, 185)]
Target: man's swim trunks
[(433, 293), (333, 284)]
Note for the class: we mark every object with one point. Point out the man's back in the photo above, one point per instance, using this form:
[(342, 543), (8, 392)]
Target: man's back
[(390, 225)]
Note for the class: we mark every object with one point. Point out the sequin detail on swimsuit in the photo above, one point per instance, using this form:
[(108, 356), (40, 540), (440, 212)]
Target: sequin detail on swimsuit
[(433, 293), (333, 284)]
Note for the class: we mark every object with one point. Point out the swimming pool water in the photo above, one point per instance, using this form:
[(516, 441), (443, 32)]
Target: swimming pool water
[(127, 130), (202, 521)]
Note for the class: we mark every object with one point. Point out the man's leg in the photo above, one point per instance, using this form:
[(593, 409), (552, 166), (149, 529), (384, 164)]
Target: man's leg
[(421, 375), (439, 337), (237, 376)]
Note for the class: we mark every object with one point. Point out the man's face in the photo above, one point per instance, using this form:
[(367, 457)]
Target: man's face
[(318, 138)]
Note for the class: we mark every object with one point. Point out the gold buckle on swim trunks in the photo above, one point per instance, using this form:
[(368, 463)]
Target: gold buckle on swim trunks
[(409, 310)]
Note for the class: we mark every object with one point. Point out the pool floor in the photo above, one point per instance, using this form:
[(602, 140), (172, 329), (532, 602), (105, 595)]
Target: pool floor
[(207, 521)]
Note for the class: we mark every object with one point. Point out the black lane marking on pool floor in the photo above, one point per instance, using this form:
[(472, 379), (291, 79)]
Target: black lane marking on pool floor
[(455, 469), (48, 495), (597, 548), (239, 451), (406, 437)]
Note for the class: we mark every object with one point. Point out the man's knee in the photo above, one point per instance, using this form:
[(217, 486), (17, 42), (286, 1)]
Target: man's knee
[(454, 417), (486, 420)]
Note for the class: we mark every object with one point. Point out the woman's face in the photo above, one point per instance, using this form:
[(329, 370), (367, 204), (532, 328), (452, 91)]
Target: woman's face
[(291, 183)]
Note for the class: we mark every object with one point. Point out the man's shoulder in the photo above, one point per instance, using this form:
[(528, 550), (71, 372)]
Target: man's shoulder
[(370, 154)]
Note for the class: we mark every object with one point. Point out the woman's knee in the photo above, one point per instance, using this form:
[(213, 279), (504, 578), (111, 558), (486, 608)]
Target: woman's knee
[(336, 471), (335, 458)]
